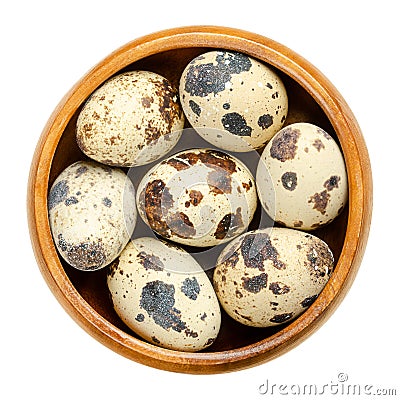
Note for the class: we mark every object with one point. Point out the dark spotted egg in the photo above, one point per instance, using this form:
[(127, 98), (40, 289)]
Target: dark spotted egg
[(233, 101), (132, 119), (163, 295), (198, 197), (270, 276), (302, 175), (92, 214)]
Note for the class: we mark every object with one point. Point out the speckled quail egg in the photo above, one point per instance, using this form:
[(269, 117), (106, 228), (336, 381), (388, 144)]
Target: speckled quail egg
[(92, 214), (133, 119), (163, 295), (233, 101), (270, 276), (198, 197), (302, 176)]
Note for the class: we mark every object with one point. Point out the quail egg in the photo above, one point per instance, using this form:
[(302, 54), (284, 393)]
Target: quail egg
[(163, 295), (92, 214), (133, 119), (270, 276), (198, 197), (302, 177), (233, 101)]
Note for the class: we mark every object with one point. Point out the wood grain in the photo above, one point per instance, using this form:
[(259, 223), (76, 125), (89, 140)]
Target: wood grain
[(313, 99)]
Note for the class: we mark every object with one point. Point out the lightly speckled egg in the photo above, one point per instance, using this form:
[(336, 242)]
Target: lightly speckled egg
[(233, 101), (306, 184), (198, 197), (133, 119), (163, 295), (92, 214), (270, 276)]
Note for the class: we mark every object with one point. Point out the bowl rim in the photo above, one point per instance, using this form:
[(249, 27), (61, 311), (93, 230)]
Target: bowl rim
[(360, 199)]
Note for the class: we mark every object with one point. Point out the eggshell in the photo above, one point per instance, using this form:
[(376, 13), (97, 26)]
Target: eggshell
[(198, 197), (92, 214), (163, 295), (302, 177), (132, 119), (234, 101), (270, 276)]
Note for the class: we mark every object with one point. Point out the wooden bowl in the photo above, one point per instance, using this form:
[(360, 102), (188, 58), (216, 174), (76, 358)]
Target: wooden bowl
[(312, 99)]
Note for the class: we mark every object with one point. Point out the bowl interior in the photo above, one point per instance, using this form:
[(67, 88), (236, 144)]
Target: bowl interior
[(92, 285)]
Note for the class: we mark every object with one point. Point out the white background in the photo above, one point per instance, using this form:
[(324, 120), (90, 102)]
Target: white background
[(47, 46)]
